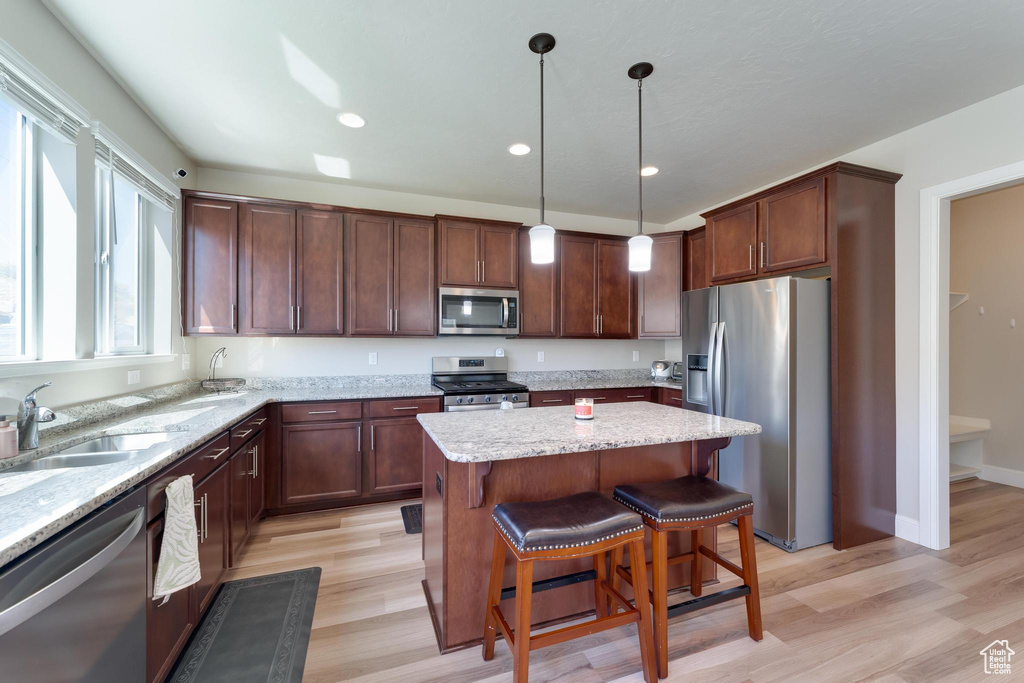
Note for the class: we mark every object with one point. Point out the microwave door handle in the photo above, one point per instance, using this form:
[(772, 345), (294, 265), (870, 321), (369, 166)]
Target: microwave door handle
[(504, 312), (710, 372)]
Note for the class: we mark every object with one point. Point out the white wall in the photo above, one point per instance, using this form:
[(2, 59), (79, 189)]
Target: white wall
[(983, 136), (37, 35)]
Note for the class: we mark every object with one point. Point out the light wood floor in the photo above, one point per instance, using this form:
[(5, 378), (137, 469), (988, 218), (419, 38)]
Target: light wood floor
[(889, 611)]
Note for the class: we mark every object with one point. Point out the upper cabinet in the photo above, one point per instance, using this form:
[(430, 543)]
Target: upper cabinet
[(616, 302), (210, 265), (390, 276), (319, 259), (479, 253), (597, 295), (268, 269), (695, 272), (658, 290), (538, 292), (731, 236)]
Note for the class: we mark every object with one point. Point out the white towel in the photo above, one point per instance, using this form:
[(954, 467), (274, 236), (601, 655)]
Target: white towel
[(178, 566)]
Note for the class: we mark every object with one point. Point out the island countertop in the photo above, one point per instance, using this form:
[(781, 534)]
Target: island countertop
[(486, 436)]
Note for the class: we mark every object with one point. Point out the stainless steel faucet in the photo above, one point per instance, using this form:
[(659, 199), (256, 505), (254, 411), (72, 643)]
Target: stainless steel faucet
[(29, 417), (222, 352)]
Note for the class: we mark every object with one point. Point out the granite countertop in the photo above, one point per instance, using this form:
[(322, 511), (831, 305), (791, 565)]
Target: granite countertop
[(35, 505), (599, 383), (483, 436)]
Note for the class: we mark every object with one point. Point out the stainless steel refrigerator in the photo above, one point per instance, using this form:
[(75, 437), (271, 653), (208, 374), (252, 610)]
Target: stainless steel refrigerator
[(759, 351)]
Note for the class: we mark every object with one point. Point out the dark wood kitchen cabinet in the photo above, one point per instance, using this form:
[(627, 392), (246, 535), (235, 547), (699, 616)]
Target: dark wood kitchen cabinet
[(731, 243), (394, 455), (791, 230), (257, 481), (320, 462), (616, 395), (659, 289), (267, 267), (212, 522), (238, 510), (538, 292), (319, 283), (478, 253), (578, 275), (210, 266), (390, 276), (168, 624), (615, 294), (695, 272)]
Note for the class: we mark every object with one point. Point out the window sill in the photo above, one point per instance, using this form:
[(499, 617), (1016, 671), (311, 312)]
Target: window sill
[(39, 367)]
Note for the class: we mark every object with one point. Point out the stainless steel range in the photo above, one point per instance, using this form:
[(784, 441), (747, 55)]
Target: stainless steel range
[(477, 383)]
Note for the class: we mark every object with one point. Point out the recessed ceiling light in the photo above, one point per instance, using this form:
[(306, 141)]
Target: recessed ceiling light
[(351, 120), (648, 170), (519, 149)]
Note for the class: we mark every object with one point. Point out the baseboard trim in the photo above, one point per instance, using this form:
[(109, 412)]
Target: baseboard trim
[(908, 529), (1002, 475)]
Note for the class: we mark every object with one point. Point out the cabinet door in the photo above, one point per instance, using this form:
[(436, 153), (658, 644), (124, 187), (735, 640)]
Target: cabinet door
[(499, 249), (370, 264), (578, 278), (394, 456), (658, 292), (257, 480), (320, 462), (169, 624), (319, 241), (268, 269), (793, 228), (460, 254), (538, 293), (415, 290), (212, 515), (614, 290), (731, 237), (548, 399), (239, 467), (696, 260), (211, 266)]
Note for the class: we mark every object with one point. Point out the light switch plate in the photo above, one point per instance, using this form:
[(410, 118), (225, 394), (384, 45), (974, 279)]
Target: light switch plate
[(373, 358), (636, 356), (134, 376), (540, 356)]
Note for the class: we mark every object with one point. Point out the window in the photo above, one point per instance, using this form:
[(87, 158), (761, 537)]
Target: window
[(121, 254), (17, 235)]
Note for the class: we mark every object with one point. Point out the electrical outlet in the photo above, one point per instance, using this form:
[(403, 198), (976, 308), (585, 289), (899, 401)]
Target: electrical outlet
[(636, 356), (186, 361), (134, 376), (373, 358), (540, 356)]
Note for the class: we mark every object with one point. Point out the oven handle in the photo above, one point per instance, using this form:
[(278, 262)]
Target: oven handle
[(483, 406)]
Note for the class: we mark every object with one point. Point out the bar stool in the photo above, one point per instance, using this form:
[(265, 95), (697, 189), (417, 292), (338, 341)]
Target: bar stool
[(690, 503), (582, 525)]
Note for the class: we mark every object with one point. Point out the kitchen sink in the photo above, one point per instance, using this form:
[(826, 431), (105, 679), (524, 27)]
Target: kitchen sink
[(56, 462), (120, 442)]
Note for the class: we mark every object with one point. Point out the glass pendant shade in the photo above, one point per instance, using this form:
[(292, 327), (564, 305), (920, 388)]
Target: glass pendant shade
[(640, 253), (542, 244)]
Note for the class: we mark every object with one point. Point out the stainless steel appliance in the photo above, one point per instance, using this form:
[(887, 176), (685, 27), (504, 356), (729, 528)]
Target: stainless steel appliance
[(74, 609), (477, 383), (478, 311), (661, 369), (759, 351)]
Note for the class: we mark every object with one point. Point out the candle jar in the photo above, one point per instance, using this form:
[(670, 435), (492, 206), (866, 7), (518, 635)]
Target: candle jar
[(584, 409)]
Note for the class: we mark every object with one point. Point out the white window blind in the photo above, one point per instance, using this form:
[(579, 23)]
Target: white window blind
[(112, 155), (36, 96)]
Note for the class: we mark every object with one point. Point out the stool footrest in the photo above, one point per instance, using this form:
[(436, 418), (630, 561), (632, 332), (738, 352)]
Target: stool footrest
[(553, 582), (579, 630), (708, 600)]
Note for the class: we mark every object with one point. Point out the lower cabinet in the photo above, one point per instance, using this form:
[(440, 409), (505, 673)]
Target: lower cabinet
[(212, 523), (394, 455), (257, 480), (239, 468), (168, 624), (616, 395), (670, 397), (320, 462), (545, 399)]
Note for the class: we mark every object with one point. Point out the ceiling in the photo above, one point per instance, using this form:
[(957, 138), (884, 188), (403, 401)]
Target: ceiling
[(744, 92)]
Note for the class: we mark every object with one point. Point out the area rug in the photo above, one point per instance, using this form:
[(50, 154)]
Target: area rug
[(256, 630), (412, 518)]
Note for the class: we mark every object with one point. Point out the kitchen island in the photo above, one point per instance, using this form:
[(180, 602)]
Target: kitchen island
[(474, 460)]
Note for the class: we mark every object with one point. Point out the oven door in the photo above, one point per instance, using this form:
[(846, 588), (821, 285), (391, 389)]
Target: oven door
[(478, 311)]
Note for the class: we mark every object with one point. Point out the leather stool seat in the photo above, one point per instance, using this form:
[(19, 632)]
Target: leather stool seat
[(686, 499), (576, 520)]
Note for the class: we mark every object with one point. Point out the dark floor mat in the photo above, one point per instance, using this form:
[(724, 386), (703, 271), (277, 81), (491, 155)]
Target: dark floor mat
[(256, 630), (412, 517)]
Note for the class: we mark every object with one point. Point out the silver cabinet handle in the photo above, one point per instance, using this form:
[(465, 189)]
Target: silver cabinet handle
[(396, 320), (483, 271), (214, 456), (203, 528), (199, 531), (234, 316), (675, 398), (322, 412), (389, 319), (258, 421), (291, 317), (206, 516), (552, 400), (372, 427), (762, 254), (298, 318), (598, 398), (37, 601), (406, 408), (359, 437), (634, 395), (242, 435), (256, 459), (750, 258), (253, 473)]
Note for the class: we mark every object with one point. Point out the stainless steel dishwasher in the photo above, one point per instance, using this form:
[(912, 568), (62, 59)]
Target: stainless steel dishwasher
[(74, 609)]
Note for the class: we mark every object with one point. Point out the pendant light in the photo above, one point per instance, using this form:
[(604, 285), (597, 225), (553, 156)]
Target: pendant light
[(542, 235), (640, 244)]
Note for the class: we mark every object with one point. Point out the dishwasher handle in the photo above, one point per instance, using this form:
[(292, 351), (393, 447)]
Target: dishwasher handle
[(22, 611)]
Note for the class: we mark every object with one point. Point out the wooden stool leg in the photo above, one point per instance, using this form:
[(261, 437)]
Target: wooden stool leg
[(616, 580), (524, 594), (749, 560), (696, 564), (643, 627), (659, 561), (493, 595), (600, 597)]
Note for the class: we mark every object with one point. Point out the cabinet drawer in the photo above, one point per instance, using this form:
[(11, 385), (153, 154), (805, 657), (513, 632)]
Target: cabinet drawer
[(541, 399), (402, 407), (247, 428), (199, 464), (321, 412), (616, 395)]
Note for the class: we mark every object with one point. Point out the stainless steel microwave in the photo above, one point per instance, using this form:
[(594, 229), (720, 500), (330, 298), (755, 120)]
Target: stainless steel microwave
[(478, 311)]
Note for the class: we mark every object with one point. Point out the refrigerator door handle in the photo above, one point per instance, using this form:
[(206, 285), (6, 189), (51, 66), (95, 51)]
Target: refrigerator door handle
[(719, 391), (711, 368)]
